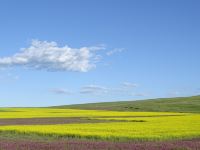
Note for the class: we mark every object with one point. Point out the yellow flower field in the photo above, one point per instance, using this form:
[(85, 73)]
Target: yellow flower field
[(127, 125), (48, 112)]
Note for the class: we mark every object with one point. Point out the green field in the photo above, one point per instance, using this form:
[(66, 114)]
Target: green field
[(178, 122), (180, 104)]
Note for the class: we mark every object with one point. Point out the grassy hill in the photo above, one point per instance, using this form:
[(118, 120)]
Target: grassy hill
[(179, 104)]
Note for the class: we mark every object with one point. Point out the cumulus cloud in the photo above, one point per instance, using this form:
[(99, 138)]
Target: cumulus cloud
[(116, 50), (60, 91), (93, 89), (49, 56)]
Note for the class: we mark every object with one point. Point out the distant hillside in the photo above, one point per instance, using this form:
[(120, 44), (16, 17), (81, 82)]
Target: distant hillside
[(181, 104)]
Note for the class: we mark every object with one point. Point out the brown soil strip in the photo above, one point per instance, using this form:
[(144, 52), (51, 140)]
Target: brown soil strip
[(151, 116), (98, 145), (47, 121)]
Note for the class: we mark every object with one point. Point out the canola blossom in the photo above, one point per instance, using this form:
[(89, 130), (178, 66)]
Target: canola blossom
[(127, 125)]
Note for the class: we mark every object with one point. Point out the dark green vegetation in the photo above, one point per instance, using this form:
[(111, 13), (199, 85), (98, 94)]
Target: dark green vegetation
[(15, 140), (179, 104)]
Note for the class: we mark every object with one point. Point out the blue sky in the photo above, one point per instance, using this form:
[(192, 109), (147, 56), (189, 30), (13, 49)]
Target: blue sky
[(72, 51)]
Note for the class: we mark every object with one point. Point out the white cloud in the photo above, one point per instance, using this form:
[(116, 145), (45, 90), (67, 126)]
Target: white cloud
[(140, 94), (9, 77), (125, 88), (174, 94), (60, 91), (93, 89), (116, 50), (129, 85), (49, 56)]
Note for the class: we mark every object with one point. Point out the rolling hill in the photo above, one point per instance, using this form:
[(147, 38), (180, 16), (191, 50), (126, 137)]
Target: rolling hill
[(178, 104)]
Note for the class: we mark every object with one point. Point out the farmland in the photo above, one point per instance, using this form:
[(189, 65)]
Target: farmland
[(113, 129), (178, 104), (153, 128)]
